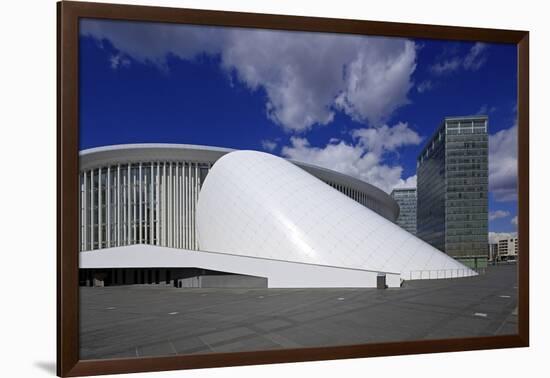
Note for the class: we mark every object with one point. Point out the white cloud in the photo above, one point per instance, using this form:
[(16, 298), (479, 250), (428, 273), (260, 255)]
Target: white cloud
[(362, 158), (494, 237), (441, 68), (485, 109), (476, 57), (386, 138), (503, 164), (268, 145), (498, 214), (514, 220), (118, 60), (306, 76), (378, 79), (152, 43), (409, 182), (472, 61), (424, 86)]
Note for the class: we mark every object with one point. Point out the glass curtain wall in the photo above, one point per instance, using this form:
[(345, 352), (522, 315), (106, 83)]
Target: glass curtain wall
[(452, 189), (406, 199)]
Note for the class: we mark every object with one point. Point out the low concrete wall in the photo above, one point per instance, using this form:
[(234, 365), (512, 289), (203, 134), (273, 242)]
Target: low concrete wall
[(223, 281), (233, 280)]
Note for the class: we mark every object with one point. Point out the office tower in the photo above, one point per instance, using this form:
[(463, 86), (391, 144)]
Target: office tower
[(406, 199), (452, 179)]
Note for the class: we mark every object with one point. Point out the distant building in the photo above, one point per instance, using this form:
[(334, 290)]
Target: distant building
[(508, 249), (452, 179), (406, 199)]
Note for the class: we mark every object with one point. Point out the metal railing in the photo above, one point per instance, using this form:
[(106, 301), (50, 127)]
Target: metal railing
[(443, 273)]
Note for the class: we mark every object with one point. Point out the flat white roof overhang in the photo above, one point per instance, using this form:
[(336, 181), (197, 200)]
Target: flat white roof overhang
[(279, 273)]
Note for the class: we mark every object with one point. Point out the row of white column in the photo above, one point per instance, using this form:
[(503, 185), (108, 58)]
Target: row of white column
[(142, 203), (356, 195)]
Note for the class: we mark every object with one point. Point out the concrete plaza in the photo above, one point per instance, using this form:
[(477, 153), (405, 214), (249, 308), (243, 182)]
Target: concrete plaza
[(148, 320)]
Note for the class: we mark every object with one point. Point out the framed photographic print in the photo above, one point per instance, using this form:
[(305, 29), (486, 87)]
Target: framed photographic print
[(240, 188)]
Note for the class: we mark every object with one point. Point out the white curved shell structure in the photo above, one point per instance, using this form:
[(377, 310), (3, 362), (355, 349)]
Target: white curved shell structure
[(259, 205)]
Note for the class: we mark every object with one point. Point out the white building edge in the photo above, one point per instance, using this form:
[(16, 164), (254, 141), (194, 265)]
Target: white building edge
[(166, 206)]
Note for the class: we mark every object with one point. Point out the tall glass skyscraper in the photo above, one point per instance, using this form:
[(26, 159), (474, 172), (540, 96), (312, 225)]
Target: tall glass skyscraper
[(406, 199), (452, 180)]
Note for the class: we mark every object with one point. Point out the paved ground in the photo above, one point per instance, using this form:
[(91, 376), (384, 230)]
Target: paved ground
[(129, 321)]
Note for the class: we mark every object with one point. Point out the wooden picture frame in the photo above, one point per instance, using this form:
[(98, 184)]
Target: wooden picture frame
[(69, 13)]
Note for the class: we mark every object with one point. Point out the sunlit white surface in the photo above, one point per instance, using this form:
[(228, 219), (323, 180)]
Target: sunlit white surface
[(257, 204), (279, 273)]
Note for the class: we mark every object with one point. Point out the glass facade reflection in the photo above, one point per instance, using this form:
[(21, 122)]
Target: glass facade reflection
[(406, 199), (452, 184)]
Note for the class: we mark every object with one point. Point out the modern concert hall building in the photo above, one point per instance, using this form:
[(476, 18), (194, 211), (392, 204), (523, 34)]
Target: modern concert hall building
[(197, 216)]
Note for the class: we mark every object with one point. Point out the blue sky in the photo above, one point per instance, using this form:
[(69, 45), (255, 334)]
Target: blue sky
[(360, 105)]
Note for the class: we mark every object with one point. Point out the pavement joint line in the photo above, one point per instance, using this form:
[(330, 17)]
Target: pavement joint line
[(206, 343), (200, 310), (281, 340), (421, 335), (505, 321), (173, 348)]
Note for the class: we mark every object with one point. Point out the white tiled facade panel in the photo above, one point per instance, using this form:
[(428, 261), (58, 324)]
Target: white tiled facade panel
[(256, 204)]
